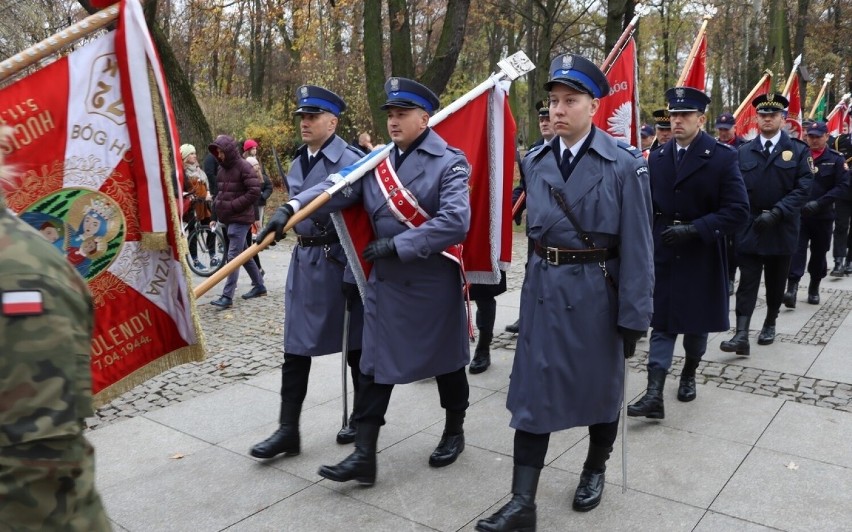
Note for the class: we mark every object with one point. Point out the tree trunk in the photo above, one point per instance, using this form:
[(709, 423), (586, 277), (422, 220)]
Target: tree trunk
[(374, 69), (402, 61), (441, 67), (616, 12)]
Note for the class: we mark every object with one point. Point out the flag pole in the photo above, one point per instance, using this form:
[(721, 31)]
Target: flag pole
[(511, 68), (55, 42), (747, 101), (786, 91), (694, 51), (834, 111), (825, 82)]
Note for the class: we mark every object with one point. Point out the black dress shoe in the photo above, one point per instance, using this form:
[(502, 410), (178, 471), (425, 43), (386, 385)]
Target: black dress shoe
[(513, 327), (517, 515), (686, 389), (813, 299), (480, 362), (284, 441), (448, 450), (223, 302), (347, 433), (257, 291), (767, 335), (589, 491)]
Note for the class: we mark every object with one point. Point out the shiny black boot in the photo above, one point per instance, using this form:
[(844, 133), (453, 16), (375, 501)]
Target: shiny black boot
[(838, 267), (590, 490), (651, 405), (452, 441), (686, 389), (514, 327), (789, 299), (739, 343), (767, 333), (813, 292), (284, 440), (517, 515), (360, 465), (347, 434)]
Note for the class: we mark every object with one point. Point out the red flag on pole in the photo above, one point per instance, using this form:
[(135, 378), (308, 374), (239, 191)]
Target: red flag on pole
[(747, 118), (618, 113), (794, 110), (696, 77), (838, 119)]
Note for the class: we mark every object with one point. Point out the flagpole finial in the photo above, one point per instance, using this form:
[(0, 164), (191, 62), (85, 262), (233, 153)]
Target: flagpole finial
[(709, 11), (829, 77), (641, 10)]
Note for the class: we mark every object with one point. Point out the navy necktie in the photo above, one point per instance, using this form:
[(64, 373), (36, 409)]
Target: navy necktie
[(680, 153), (767, 147), (565, 165)]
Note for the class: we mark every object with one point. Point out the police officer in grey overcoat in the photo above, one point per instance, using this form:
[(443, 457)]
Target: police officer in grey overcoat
[(415, 323), (587, 296), (317, 290), (699, 198), (778, 172)]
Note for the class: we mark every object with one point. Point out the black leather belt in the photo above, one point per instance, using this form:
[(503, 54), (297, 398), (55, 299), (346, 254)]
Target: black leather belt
[(321, 240), (557, 256)]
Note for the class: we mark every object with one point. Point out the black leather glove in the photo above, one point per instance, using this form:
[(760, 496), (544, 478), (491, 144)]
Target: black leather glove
[(350, 292), (630, 337), (519, 217), (810, 208), (379, 249), (679, 234), (767, 219), (277, 223)]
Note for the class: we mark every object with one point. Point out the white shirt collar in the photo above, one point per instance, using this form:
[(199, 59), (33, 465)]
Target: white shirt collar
[(574, 147), (774, 140), (312, 153)]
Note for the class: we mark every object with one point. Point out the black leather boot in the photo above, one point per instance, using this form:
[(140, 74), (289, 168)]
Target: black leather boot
[(739, 343), (847, 270), (838, 267), (767, 333), (347, 434), (651, 405), (452, 441), (789, 299), (360, 465), (284, 440), (517, 515), (514, 327), (590, 489), (686, 388), (813, 291)]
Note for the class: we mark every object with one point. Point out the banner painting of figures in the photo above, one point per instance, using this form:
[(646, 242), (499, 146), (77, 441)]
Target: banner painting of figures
[(79, 181)]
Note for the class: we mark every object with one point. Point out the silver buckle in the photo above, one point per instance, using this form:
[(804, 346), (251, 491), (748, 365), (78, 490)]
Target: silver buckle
[(554, 258)]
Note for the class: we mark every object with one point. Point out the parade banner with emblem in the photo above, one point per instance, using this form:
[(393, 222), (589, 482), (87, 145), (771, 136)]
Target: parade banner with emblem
[(88, 133), (794, 110), (746, 115), (484, 129), (618, 113), (839, 118), (696, 76)]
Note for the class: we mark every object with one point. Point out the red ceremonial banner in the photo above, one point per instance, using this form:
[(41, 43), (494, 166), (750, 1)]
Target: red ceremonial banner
[(794, 110), (839, 120), (747, 119), (90, 178), (697, 75), (618, 113)]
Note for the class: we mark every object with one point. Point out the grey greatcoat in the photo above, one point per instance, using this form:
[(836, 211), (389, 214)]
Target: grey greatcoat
[(415, 325), (314, 300), (569, 363), (707, 190)]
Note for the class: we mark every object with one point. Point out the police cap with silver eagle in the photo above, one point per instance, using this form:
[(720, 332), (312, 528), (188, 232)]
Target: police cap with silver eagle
[(578, 73), (313, 100), (686, 99), (770, 103), (544, 109), (408, 94)]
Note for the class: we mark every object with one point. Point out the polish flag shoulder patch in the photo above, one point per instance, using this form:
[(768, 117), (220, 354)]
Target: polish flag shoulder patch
[(22, 303)]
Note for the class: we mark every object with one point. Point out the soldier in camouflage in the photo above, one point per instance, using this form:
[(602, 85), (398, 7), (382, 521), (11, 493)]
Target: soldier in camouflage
[(47, 470)]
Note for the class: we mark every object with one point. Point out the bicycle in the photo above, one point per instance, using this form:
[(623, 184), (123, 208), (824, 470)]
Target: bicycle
[(206, 247)]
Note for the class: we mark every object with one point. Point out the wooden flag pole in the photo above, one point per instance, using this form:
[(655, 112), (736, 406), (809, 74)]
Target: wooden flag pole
[(514, 66), (52, 44), (825, 82), (793, 73), (747, 101), (694, 51), (843, 99)]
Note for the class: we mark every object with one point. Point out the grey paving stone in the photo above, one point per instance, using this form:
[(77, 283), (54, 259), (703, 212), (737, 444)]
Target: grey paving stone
[(716, 522), (206, 491), (814, 496), (780, 356), (811, 432)]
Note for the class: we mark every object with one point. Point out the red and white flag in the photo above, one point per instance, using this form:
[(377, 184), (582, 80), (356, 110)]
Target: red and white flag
[(696, 77), (90, 178), (839, 119), (618, 113), (794, 110), (484, 129), (747, 119)]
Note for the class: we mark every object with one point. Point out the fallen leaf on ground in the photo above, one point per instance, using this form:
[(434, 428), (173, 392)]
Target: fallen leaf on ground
[(177, 456), (793, 466)]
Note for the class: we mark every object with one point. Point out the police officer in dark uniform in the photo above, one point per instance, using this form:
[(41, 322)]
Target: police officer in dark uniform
[(699, 197), (726, 133), (663, 127), (569, 367), (842, 238), (319, 283), (778, 172), (831, 183)]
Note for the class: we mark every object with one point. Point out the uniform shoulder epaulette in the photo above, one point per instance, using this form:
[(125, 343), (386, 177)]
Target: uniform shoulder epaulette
[(534, 149), (357, 151), (634, 151), (725, 145), (455, 150), (835, 152)]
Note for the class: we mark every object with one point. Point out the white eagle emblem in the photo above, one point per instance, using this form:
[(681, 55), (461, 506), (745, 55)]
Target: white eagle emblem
[(304, 92), (621, 122), (679, 92), (567, 61), (394, 84)]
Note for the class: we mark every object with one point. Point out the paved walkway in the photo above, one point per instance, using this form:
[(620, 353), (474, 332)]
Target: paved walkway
[(765, 446)]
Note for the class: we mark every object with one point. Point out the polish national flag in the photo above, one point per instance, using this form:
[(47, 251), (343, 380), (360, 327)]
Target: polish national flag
[(618, 113)]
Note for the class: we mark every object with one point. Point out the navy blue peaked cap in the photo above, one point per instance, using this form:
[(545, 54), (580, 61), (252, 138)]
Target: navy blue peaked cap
[(683, 99), (314, 100), (770, 103), (579, 73), (408, 94)]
